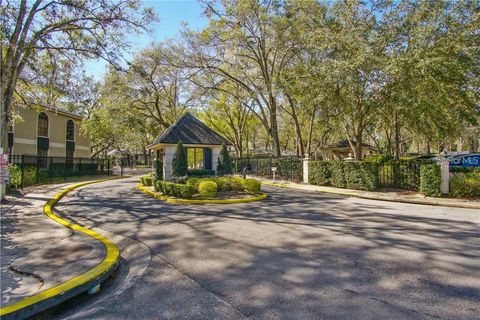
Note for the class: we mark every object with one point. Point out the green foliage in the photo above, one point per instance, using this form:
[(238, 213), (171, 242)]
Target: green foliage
[(224, 164), (430, 180), (200, 173), (207, 188), (352, 175), (338, 175), (193, 182), (158, 169), (465, 184), (180, 164), (175, 189), (319, 172), (251, 185), (146, 180), (360, 175), (15, 173)]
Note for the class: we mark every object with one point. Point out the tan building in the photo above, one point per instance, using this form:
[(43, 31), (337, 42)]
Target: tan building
[(48, 132)]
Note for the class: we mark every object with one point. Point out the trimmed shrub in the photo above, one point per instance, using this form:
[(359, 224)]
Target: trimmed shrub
[(251, 185), (175, 189), (465, 185), (430, 180), (193, 182), (207, 188), (319, 172), (224, 164), (180, 179), (158, 169), (180, 163), (360, 175), (338, 176), (146, 180), (200, 173)]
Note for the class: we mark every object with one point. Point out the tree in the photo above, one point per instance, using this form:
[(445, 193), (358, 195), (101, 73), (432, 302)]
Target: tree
[(180, 163), (245, 44), (224, 164), (72, 29)]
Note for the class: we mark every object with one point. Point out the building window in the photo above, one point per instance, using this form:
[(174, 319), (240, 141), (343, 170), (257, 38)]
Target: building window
[(195, 158), (42, 125), (70, 130)]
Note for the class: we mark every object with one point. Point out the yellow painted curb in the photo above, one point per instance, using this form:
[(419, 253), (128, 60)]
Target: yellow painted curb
[(140, 187), (110, 260)]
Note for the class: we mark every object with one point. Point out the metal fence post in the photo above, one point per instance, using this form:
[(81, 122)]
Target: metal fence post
[(37, 169), (91, 167), (23, 170), (108, 167), (121, 167), (80, 167), (65, 170), (50, 171), (257, 166)]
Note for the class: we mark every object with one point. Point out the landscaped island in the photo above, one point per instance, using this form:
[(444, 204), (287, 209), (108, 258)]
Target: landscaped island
[(230, 189)]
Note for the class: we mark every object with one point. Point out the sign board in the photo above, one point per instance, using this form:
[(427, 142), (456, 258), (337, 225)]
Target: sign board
[(465, 160), (274, 169), (4, 177)]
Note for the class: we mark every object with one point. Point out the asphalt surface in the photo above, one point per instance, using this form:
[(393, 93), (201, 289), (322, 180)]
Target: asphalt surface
[(296, 255)]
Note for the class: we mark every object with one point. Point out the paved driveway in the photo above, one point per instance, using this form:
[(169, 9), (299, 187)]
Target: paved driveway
[(297, 255)]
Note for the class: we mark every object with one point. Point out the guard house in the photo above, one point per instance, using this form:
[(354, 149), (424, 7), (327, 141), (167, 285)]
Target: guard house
[(202, 144)]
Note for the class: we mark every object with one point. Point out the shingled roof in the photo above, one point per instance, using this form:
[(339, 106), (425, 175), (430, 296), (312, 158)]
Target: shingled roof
[(189, 130)]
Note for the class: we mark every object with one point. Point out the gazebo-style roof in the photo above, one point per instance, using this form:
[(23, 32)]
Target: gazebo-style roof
[(189, 130)]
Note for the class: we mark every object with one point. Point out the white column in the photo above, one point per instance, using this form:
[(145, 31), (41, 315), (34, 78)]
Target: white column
[(305, 169), (215, 154), (445, 176), (169, 152)]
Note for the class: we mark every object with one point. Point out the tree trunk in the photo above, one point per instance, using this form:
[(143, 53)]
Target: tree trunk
[(358, 147), (397, 137), (274, 134)]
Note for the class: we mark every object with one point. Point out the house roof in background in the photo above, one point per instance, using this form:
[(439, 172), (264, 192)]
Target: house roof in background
[(189, 130), (345, 144)]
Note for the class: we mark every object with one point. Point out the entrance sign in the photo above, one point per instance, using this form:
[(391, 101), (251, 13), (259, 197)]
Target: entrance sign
[(465, 160), (4, 177)]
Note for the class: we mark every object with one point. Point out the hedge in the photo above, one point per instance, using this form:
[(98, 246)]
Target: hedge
[(251, 186), (175, 189), (430, 180), (146, 180), (465, 185), (207, 188), (319, 172)]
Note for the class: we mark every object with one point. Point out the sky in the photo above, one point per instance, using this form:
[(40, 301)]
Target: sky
[(171, 14)]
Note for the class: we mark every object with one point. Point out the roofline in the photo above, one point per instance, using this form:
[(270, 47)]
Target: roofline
[(58, 110), (164, 144)]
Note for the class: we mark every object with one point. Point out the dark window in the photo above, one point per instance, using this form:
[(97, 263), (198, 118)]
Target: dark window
[(70, 130), (42, 125)]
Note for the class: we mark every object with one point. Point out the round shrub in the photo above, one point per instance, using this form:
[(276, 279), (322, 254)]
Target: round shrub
[(464, 186), (236, 184), (193, 182), (207, 188), (187, 191), (251, 185)]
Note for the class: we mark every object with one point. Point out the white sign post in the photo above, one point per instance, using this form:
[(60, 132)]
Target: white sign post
[(274, 169), (444, 173)]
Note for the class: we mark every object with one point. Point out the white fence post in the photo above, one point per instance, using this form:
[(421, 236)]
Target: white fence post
[(305, 169), (445, 175)]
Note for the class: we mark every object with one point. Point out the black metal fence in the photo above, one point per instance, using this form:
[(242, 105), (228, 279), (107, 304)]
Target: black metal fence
[(29, 170), (401, 175), (287, 168)]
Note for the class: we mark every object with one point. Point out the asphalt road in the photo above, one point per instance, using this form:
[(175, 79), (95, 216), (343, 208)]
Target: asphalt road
[(297, 255)]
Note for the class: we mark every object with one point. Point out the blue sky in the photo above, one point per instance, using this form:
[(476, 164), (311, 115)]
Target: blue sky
[(171, 14)]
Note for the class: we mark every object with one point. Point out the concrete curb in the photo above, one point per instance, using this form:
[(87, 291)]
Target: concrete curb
[(77, 285), (262, 196), (429, 201)]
